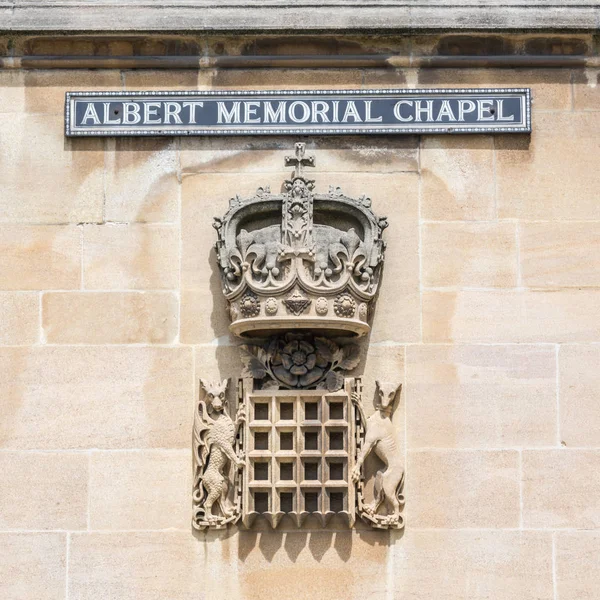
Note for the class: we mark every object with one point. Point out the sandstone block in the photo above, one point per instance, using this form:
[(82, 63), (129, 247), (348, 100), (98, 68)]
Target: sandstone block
[(480, 396), (459, 489), (577, 568), (140, 489), (266, 154), (152, 566), (560, 254), (110, 317), (45, 177), (58, 480), (457, 178), (33, 565), (469, 254), (40, 257), (316, 565), (512, 316), (130, 256), (95, 397), (285, 79), (141, 180), (166, 79), (561, 488), (535, 179), (550, 88), (473, 565), (585, 89), (44, 90), (579, 384), (19, 318)]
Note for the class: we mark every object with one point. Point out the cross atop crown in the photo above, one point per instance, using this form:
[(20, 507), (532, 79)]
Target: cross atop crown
[(299, 161)]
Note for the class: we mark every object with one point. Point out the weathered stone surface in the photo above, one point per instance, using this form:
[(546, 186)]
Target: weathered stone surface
[(302, 15), (579, 378), (19, 318), (266, 154), (585, 89), (95, 397), (44, 91), (480, 396), (535, 179), (577, 569), (560, 254), (457, 489), (63, 181), (550, 88), (561, 488), (469, 255), (141, 180), (58, 480), (166, 79), (512, 316), (473, 565), (153, 566), (457, 178), (33, 565), (40, 257), (316, 565), (285, 79), (110, 317), (146, 489), (133, 256)]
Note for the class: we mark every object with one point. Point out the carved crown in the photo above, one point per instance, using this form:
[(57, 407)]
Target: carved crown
[(300, 259)]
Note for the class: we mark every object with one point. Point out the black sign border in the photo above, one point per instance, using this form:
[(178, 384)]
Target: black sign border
[(224, 131)]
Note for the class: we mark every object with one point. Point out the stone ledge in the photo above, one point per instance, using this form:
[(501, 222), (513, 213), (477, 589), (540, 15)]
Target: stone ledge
[(298, 15)]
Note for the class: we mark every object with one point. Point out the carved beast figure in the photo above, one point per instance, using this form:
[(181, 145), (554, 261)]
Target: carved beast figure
[(382, 438), (215, 461)]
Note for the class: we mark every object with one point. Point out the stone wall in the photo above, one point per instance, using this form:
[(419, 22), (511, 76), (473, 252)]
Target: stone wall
[(489, 312)]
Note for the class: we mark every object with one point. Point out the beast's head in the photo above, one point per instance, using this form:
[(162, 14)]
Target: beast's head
[(215, 393), (386, 394)]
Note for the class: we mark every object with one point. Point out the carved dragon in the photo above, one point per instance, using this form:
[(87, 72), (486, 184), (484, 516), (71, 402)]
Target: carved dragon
[(382, 438), (215, 460)]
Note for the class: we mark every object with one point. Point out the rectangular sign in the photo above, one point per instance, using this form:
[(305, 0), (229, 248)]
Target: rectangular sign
[(302, 112)]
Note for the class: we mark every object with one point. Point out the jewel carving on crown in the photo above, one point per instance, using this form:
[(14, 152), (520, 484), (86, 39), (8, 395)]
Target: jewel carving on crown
[(300, 259)]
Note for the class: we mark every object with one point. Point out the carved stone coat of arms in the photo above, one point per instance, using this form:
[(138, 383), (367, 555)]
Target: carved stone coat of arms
[(300, 274)]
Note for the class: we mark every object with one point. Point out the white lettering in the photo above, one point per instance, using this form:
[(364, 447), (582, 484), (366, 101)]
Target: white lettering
[(172, 109), (462, 108), (319, 109), (336, 111), (250, 112), (232, 116), (485, 106), (193, 106), (305, 112), (398, 108), (428, 110), (131, 113), (90, 113), (351, 111), (446, 111), (150, 111), (106, 115), (274, 116), (368, 117), (501, 115)]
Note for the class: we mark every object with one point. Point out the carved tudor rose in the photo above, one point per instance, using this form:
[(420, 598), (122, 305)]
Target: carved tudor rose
[(295, 452)]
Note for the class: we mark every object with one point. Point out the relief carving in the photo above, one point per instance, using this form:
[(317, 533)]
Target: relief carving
[(216, 462), (300, 272), (381, 438)]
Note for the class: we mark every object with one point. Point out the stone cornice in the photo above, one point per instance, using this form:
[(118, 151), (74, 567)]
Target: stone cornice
[(298, 15)]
